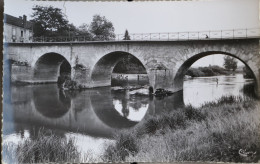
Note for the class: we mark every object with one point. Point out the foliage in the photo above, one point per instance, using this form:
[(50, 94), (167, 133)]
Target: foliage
[(126, 36), (129, 65), (47, 147), (101, 28), (49, 21), (83, 30), (217, 131), (125, 145), (207, 71), (230, 63)]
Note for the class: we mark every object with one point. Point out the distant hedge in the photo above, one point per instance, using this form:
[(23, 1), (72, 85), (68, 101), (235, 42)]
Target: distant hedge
[(207, 71)]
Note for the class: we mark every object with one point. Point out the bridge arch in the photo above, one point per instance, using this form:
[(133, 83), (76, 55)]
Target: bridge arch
[(50, 66), (178, 80), (103, 69)]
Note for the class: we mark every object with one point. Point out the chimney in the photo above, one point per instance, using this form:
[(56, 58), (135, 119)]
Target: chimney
[(24, 20)]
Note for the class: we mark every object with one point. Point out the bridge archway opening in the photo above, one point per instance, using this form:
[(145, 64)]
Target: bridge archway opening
[(50, 66), (112, 64), (185, 67)]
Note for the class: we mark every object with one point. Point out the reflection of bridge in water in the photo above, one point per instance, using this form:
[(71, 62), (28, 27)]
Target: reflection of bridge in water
[(89, 112)]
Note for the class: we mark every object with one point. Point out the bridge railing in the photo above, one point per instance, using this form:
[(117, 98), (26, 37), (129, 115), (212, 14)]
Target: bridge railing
[(174, 36)]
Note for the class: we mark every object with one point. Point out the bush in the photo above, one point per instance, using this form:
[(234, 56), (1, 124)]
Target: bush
[(125, 145), (207, 71)]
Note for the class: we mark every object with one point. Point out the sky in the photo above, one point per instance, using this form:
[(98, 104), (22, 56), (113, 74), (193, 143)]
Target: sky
[(153, 17)]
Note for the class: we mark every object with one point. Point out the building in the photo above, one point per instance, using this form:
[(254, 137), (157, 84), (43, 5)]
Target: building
[(17, 29)]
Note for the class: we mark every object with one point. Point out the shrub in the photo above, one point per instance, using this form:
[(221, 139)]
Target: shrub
[(126, 144)]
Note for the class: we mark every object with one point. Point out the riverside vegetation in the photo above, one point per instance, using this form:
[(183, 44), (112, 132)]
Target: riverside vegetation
[(208, 71), (44, 147), (217, 131), (226, 130)]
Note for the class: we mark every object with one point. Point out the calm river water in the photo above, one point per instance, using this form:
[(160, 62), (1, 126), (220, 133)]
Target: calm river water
[(92, 116)]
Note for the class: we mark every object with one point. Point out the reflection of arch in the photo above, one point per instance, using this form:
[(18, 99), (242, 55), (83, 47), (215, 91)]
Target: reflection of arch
[(178, 80), (50, 101), (106, 112), (102, 71), (49, 66)]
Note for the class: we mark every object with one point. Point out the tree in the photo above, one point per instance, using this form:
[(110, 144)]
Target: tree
[(230, 63), (49, 21), (126, 36), (83, 30), (71, 31), (101, 28)]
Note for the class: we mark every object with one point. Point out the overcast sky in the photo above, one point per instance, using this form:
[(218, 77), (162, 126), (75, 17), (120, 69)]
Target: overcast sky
[(148, 17)]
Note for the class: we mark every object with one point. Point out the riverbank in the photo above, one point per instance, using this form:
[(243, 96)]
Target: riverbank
[(223, 131), (208, 71), (45, 147)]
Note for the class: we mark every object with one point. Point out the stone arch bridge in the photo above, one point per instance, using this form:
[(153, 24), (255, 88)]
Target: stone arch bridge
[(92, 63)]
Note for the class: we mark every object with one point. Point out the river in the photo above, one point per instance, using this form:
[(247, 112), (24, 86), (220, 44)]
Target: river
[(92, 116)]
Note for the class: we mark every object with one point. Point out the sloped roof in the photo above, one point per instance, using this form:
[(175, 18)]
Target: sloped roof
[(9, 19)]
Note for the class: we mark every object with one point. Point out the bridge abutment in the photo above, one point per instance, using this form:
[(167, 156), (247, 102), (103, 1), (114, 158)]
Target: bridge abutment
[(21, 73)]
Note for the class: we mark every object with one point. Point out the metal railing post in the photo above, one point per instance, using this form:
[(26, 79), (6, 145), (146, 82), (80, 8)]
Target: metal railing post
[(246, 32), (233, 33), (221, 34), (150, 36)]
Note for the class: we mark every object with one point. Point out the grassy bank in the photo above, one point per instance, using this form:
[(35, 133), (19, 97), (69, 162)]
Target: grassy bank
[(43, 148), (227, 130)]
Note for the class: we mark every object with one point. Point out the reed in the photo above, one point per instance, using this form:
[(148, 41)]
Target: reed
[(44, 147)]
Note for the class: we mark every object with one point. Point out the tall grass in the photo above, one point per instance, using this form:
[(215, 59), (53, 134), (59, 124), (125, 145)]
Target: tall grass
[(216, 131), (45, 147)]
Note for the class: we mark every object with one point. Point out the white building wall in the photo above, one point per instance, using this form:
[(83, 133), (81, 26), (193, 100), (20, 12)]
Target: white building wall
[(9, 37)]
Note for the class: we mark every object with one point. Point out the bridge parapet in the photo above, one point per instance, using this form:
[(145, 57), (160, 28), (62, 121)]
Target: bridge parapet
[(165, 36)]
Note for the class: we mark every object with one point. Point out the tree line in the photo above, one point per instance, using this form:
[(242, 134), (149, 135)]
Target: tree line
[(52, 22)]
